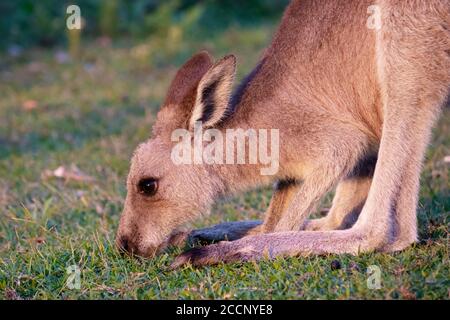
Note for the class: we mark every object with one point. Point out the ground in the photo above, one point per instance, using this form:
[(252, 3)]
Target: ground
[(91, 113)]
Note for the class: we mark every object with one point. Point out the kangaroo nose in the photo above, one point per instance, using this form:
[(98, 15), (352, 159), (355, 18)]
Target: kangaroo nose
[(123, 243), (126, 245)]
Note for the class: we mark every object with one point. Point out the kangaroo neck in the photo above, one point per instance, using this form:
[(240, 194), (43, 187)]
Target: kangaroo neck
[(241, 102)]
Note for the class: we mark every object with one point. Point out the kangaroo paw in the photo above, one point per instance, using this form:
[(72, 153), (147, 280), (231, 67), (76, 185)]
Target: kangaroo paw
[(227, 231)]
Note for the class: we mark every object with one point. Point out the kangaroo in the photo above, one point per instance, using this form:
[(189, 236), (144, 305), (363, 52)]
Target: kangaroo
[(354, 106)]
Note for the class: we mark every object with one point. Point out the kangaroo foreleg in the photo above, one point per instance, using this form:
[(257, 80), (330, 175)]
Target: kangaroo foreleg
[(348, 202)]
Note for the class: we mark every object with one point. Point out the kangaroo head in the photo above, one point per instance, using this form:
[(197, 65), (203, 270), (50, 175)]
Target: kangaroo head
[(163, 195)]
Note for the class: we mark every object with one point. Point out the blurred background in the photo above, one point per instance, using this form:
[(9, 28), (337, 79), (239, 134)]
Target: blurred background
[(28, 23), (74, 104)]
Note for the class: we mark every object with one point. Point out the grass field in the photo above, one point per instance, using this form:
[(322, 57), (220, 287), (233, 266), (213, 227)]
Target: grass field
[(92, 114)]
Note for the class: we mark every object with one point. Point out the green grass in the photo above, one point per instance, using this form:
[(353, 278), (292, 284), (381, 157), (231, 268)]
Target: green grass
[(92, 114)]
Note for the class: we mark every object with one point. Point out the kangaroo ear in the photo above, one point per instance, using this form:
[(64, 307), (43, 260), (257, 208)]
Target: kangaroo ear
[(213, 93), (188, 77)]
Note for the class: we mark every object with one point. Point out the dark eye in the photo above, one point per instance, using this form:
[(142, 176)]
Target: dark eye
[(148, 187)]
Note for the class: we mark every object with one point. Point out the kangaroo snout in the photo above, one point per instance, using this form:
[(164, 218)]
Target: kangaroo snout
[(134, 240), (127, 245), (124, 244)]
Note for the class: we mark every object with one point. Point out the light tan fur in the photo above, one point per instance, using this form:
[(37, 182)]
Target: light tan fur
[(354, 106)]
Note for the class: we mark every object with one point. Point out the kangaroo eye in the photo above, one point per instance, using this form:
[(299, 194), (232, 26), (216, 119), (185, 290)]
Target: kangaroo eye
[(148, 187)]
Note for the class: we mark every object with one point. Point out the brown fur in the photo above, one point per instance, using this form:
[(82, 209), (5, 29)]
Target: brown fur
[(340, 93)]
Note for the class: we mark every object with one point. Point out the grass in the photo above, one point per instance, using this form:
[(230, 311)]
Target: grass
[(93, 113)]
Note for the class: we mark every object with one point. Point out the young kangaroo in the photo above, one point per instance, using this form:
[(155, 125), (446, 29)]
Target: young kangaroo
[(354, 106)]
